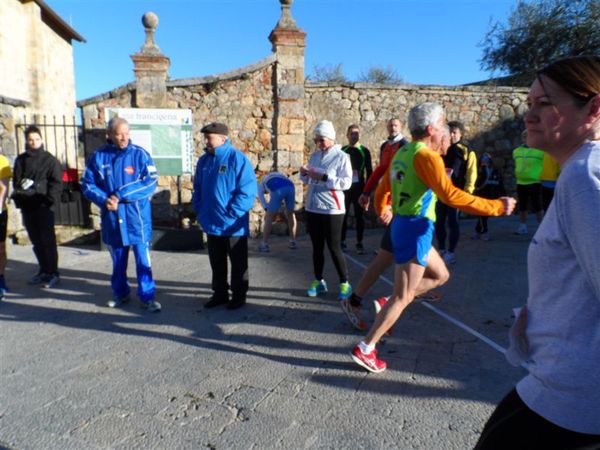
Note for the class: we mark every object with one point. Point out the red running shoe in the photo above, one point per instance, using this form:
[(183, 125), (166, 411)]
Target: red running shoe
[(369, 361), (379, 304)]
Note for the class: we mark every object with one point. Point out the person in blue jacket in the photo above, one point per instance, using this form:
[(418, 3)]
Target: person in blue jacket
[(120, 178), (224, 192)]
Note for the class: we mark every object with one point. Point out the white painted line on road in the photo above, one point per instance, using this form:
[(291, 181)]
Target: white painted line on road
[(442, 314)]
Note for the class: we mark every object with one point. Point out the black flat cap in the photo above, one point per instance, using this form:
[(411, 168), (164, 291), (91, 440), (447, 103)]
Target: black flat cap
[(215, 128)]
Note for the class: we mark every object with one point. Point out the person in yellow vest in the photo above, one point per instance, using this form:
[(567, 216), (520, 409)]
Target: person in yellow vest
[(528, 170), (5, 175), (417, 176), (550, 172)]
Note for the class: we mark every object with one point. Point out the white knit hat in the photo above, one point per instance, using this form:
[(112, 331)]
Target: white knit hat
[(325, 129)]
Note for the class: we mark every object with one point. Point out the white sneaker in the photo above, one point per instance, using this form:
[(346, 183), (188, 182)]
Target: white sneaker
[(449, 257), (522, 229)]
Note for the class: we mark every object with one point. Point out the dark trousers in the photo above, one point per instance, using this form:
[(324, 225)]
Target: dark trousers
[(236, 248), (547, 196), (351, 199), (482, 224), (514, 426), (444, 214), (327, 229), (39, 224)]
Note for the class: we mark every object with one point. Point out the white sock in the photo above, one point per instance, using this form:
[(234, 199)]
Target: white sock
[(364, 348)]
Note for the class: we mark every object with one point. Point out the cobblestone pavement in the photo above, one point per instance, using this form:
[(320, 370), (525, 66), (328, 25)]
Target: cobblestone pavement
[(275, 374)]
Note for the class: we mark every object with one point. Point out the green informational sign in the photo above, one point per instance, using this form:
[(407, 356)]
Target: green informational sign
[(165, 133)]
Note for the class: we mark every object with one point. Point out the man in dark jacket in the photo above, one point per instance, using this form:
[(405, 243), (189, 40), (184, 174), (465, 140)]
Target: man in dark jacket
[(37, 182), (120, 178), (360, 158), (224, 192), (461, 167)]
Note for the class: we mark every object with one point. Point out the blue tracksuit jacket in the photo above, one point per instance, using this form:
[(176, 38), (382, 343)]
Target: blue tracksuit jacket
[(224, 191), (129, 174)]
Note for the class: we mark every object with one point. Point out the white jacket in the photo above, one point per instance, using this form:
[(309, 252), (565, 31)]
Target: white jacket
[(327, 197)]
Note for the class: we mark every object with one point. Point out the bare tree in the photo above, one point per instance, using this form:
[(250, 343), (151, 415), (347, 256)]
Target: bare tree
[(380, 74), (328, 72)]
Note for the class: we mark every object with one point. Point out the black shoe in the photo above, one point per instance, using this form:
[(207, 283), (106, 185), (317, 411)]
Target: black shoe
[(360, 250), (235, 304), (216, 301)]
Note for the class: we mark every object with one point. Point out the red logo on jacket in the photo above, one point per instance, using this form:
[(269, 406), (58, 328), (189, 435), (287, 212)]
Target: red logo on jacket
[(130, 170)]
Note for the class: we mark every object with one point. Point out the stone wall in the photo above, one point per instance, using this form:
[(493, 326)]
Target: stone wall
[(242, 99), (36, 63), (491, 115)]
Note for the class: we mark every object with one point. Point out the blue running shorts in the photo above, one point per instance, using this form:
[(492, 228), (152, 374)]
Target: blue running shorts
[(411, 239), (284, 194)]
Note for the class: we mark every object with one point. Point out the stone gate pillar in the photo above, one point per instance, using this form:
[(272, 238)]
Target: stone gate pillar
[(150, 67), (288, 44)]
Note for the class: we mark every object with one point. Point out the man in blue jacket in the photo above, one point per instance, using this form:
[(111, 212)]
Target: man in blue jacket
[(120, 178), (224, 192)]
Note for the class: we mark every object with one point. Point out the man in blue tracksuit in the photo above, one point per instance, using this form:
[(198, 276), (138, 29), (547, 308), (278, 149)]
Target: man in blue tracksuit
[(120, 178), (224, 192)]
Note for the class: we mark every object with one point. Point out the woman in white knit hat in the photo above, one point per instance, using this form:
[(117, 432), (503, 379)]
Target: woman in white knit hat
[(328, 173)]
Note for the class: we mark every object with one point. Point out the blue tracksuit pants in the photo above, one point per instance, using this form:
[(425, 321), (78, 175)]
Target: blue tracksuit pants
[(146, 284)]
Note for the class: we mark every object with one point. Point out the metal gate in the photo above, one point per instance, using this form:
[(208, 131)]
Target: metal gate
[(63, 138)]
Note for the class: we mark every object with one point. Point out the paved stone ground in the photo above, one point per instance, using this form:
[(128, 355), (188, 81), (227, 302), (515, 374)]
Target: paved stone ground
[(275, 374)]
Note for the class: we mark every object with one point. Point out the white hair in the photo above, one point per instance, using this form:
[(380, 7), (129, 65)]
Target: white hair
[(114, 123), (423, 115)]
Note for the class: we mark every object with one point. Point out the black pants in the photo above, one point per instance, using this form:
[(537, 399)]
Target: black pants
[(547, 195), (325, 228), (39, 223), (351, 199), (446, 213), (516, 427), (236, 248), (482, 224)]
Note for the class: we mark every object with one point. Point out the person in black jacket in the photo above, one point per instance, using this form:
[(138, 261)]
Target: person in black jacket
[(360, 158), (37, 182), (489, 185)]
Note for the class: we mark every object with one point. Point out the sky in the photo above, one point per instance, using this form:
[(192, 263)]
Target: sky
[(424, 41)]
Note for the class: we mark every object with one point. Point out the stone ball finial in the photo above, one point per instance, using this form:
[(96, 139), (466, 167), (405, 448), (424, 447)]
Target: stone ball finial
[(150, 20), (286, 21)]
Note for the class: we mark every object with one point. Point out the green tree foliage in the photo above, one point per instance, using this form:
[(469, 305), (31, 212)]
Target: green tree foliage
[(329, 72), (540, 31), (380, 74)]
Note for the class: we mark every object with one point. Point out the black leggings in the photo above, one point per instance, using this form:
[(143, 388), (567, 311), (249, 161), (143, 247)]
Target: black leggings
[(516, 427), (351, 198), (325, 228)]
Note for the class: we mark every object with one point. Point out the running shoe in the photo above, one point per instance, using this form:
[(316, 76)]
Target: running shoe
[(345, 291), (485, 236), (152, 306), (344, 246), (52, 281), (449, 257), (317, 287), (38, 278), (263, 247), (293, 245), (476, 236), (522, 229), (368, 361), (117, 301), (379, 304), (360, 250), (353, 315)]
